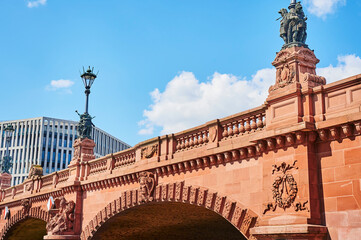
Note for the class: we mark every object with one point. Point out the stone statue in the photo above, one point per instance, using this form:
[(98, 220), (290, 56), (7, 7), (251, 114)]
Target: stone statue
[(85, 125), (35, 171), (293, 26), (62, 218)]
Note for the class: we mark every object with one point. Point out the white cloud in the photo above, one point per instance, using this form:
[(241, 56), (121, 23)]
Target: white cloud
[(347, 66), (321, 8), (36, 3), (186, 102), (62, 84)]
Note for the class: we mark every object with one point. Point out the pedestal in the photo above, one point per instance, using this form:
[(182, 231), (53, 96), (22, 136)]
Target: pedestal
[(289, 100), (300, 231), (5, 180), (83, 151), (61, 237)]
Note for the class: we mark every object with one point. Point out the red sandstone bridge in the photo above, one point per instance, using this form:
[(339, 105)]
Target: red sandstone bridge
[(289, 169)]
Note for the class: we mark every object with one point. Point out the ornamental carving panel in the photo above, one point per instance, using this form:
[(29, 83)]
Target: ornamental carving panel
[(149, 151), (25, 206), (61, 218), (284, 189), (147, 185)]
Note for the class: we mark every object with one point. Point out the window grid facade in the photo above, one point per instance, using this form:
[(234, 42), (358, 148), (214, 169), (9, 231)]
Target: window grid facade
[(49, 142)]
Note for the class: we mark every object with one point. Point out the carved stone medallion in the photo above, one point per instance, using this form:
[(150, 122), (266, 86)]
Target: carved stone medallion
[(212, 133)]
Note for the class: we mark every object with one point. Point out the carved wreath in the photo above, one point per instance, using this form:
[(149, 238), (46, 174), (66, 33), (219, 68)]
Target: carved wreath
[(284, 189), (149, 151)]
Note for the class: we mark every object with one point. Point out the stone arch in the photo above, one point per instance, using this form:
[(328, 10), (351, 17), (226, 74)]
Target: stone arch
[(234, 212), (35, 212)]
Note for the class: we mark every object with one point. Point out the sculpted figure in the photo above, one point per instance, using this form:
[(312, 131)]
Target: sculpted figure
[(293, 25), (62, 218), (147, 184), (25, 206), (85, 125)]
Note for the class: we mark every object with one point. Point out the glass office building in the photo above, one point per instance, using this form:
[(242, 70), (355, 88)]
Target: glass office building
[(49, 142)]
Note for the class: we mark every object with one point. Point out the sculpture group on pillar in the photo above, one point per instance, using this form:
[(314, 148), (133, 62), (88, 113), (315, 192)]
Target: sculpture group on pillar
[(62, 218), (293, 25), (85, 125)]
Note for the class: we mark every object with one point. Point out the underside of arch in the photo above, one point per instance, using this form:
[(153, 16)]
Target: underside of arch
[(167, 220), (28, 228), (21, 216), (240, 217)]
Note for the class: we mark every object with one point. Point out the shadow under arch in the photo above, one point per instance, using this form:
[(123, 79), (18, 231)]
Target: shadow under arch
[(35, 213), (28, 228), (241, 218)]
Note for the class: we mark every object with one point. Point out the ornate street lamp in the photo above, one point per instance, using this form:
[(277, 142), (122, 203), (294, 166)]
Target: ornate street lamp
[(85, 123), (88, 79), (7, 161)]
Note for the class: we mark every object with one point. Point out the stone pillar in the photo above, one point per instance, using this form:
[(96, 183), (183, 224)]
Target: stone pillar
[(292, 206), (83, 151), (5, 180), (289, 100)]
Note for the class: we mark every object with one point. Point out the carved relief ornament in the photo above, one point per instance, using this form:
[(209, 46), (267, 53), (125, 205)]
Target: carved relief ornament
[(61, 218), (25, 204), (149, 151), (147, 185), (284, 189)]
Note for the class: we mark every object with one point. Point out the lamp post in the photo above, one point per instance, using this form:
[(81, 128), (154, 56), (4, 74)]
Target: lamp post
[(85, 123), (7, 163), (88, 79), (84, 144)]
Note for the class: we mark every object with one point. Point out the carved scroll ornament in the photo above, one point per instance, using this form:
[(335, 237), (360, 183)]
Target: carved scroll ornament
[(149, 151), (147, 185), (62, 218), (284, 189)]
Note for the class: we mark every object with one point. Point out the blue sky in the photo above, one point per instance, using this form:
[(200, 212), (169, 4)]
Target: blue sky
[(164, 66)]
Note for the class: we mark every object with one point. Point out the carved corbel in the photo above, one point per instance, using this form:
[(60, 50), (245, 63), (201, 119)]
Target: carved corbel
[(262, 145), (227, 156), (243, 153), (251, 151), (323, 134), (271, 143), (212, 159), (205, 161), (358, 127), (280, 141), (334, 133), (347, 130), (290, 139), (219, 158), (235, 155), (300, 137)]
